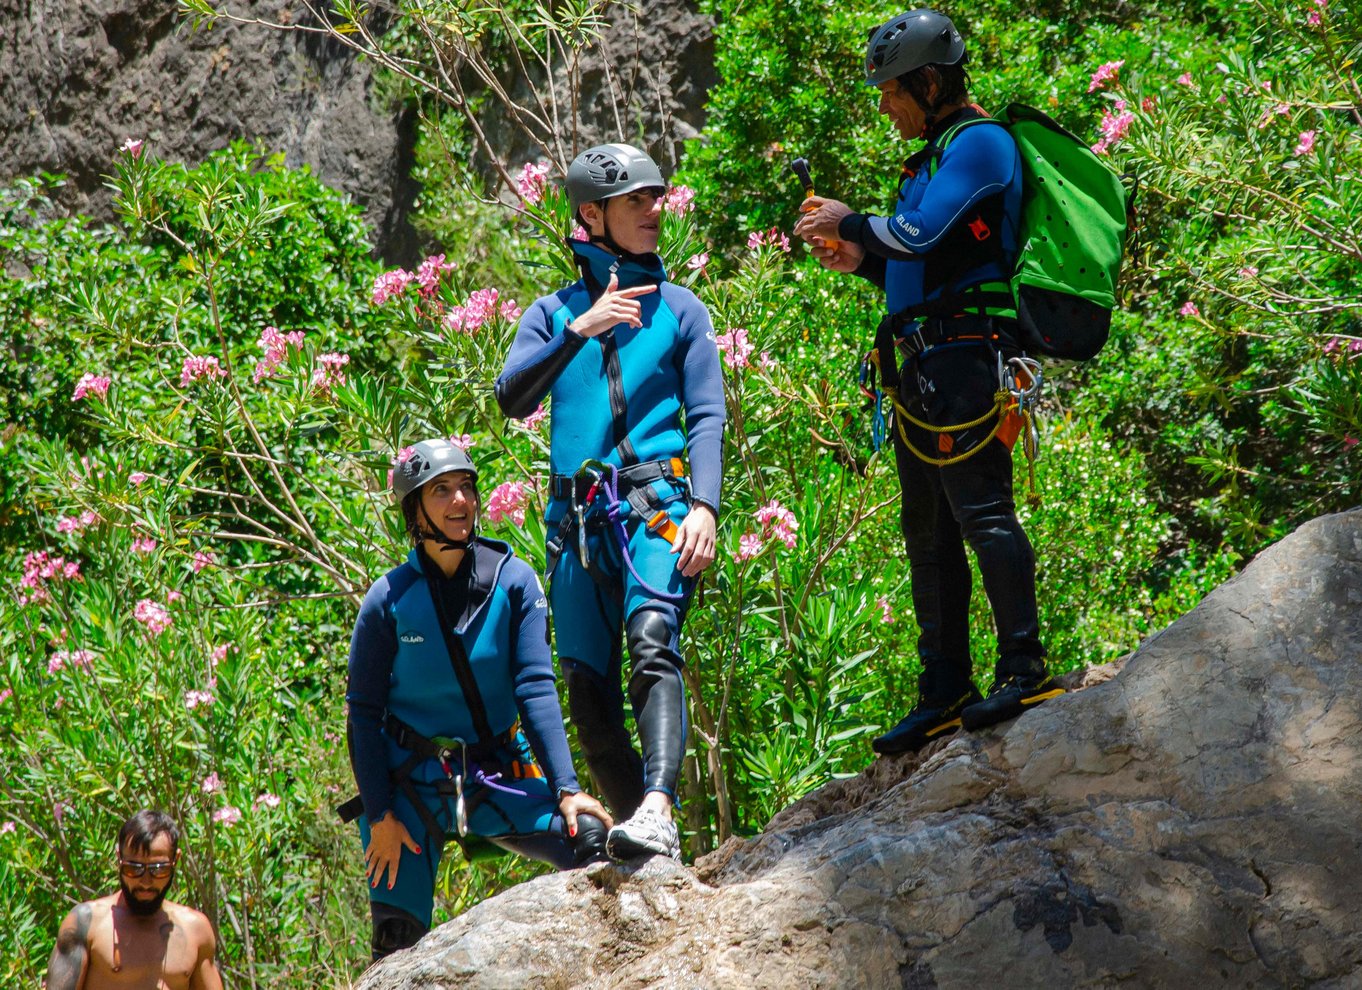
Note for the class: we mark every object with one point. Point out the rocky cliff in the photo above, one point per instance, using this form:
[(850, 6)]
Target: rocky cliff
[(78, 79), (1192, 818)]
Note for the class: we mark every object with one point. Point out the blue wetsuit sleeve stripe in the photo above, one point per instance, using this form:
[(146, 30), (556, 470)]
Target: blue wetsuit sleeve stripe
[(536, 695), (702, 397), (373, 647), (537, 358), (976, 164)]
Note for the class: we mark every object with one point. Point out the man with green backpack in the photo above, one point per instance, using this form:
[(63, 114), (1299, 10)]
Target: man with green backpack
[(946, 258)]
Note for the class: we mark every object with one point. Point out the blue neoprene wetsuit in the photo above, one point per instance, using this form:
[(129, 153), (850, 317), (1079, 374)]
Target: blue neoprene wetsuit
[(630, 396), (953, 231), (400, 666)]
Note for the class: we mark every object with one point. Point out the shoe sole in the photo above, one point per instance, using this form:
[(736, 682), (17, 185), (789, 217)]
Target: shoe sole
[(912, 745), (625, 848), (1004, 715)]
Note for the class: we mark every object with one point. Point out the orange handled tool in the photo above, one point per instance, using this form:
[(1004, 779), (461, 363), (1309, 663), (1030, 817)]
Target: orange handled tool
[(800, 167), (662, 525)]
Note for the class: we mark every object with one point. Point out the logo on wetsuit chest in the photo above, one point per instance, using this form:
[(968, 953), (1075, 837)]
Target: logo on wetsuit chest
[(411, 637)]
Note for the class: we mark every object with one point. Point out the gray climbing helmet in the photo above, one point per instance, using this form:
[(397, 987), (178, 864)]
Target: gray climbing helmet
[(910, 41), (610, 170), (430, 459)]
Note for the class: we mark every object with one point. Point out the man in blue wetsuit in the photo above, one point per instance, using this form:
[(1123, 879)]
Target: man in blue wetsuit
[(944, 259), (453, 708), (629, 362)]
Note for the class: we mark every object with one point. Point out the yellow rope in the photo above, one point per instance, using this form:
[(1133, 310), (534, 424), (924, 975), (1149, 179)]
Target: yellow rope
[(1002, 401)]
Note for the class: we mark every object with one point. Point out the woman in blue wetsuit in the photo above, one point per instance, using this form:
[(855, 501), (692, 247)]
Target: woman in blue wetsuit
[(452, 706), (944, 259), (630, 363)]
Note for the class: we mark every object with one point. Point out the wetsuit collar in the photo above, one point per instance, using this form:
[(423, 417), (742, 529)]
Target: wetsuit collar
[(471, 587), (596, 262), (968, 112)]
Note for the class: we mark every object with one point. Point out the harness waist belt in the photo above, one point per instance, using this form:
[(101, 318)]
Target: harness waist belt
[(409, 739), (635, 476)]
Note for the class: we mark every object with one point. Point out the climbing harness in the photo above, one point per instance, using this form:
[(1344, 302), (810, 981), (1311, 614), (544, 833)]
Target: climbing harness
[(612, 494)]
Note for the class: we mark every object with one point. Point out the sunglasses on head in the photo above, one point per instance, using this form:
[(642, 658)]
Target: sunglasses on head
[(132, 869)]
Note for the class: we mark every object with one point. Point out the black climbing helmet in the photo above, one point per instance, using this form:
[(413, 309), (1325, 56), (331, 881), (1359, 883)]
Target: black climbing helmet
[(610, 170), (430, 459), (910, 41)]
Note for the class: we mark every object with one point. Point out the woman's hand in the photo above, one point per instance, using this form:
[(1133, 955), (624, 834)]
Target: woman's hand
[(695, 540), (572, 805), (615, 306), (387, 836)]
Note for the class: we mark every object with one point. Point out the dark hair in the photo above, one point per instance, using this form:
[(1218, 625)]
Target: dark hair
[(952, 84), (140, 831)]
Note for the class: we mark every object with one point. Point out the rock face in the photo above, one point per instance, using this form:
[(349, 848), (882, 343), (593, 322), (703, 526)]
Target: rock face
[(78, 79), (1195, 819)]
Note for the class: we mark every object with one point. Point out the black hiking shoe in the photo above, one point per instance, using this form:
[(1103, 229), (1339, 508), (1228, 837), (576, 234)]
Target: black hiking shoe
[(923, 724), (1009, 697)]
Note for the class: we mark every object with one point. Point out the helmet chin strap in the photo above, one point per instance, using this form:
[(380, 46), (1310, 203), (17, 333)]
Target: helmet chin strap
[(435, 536)]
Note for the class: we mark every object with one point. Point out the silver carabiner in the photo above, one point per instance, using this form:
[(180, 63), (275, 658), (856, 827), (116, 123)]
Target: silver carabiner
[(460, 808)]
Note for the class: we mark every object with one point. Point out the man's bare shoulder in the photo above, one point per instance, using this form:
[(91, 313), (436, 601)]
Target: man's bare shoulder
[(194, 924)]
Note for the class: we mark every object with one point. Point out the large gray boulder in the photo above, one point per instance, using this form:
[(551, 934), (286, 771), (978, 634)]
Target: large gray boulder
[(1195, 819)]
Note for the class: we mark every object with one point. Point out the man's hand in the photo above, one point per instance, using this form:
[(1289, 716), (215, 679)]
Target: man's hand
[(820, 219), (695, 540), (615, 306), (847, 257), (387, 836), (572, 805)]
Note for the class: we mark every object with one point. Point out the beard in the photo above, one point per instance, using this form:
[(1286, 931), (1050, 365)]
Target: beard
[(141, 906)]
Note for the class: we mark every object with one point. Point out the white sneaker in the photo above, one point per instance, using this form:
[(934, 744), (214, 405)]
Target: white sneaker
[(646, 834)]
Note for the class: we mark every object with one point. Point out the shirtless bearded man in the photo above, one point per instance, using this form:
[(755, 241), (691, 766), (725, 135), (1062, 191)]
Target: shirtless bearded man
[(135, 937)]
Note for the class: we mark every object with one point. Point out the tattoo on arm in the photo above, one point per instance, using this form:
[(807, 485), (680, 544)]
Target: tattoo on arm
[(66, 969)]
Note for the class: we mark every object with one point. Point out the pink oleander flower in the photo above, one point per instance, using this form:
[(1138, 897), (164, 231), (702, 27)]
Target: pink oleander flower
[(1113, 126), (196, 368), (202, 559), (265, 800), (886, 610), (1249, 271), (143, 544), (211, 784), (463, 441), (173, 596), (735, 347), (697, 262), (70, 659), (1147, 104), (192, 699), (1105, 73), (77, 524), (1185, 79), (5, 695), (227, 815), (219, 654), (40, 570), (510, 312), (765, 362), (579, 233), (749, 545), (7, 827), (59, 810), (330, 374), (90, 383), (390, 284), (772, 237), (778, 522), (679, 200), (532, 421), (532, 181), (275, 345), (1350, 442), (480, 307), (1189, 308), (508, 501), (1314, 18), (132, 147), (137, 477), (152, 615), (1307, 143), (428, 274)]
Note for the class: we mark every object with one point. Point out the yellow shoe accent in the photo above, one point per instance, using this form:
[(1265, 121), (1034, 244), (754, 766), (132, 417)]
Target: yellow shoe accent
[(1037, 699), (952, 724)]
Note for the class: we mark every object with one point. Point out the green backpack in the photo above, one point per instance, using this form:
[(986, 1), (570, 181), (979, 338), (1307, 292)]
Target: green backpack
[(1072, 236)]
